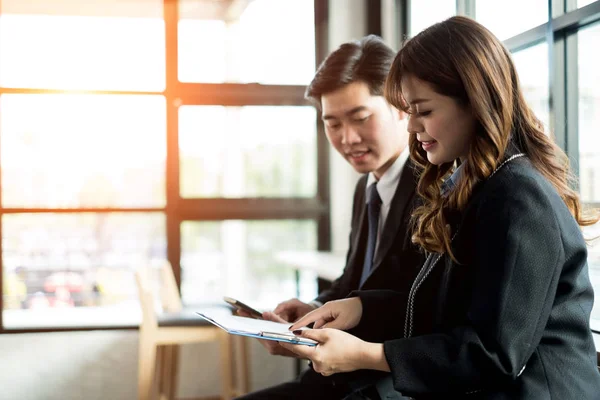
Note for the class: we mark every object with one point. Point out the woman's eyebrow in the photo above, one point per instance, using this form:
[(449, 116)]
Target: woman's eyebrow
[(417, 101)]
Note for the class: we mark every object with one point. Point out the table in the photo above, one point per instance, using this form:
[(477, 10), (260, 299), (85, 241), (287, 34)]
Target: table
[(327, 265)]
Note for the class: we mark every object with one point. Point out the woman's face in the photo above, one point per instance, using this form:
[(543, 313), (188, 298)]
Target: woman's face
[(443, 127)]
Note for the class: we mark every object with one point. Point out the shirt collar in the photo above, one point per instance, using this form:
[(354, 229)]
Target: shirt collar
[(386, 186), (453, 180)]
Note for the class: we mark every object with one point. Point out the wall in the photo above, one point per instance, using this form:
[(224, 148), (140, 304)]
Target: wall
[(346, 22)]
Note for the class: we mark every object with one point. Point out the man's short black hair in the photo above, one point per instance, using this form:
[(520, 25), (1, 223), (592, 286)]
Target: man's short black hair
[(366, 60)]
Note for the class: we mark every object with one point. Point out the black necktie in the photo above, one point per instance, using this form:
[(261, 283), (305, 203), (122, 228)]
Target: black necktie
[(373, 210)]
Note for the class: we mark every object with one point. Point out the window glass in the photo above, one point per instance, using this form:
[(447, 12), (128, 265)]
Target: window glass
[(583, 3), (108, 45), (533, 69), (237, 259), (264, 41), (76, 269), (247, 151), (77, 151), (424, 13), (511, 17)]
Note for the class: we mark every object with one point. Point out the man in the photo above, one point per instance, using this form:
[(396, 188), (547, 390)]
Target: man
[(371, 135)]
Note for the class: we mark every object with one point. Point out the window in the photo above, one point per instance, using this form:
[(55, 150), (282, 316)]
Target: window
[(133, 132), (589, 145), (83, 175), (532, 67), (424, 13), (237, 258), (589, 115), (511, 17), (248, 176)]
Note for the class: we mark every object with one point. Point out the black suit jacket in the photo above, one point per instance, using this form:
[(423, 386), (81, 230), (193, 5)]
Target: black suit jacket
[(397, 260), (511, 321)]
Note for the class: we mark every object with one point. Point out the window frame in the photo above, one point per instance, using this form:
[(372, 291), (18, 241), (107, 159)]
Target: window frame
[(178, 209)]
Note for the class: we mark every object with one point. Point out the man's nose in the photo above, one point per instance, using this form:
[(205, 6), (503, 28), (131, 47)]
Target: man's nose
[(350, 135)]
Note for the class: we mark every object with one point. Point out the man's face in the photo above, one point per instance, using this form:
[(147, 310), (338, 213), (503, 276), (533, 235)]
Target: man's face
[(364, 129)]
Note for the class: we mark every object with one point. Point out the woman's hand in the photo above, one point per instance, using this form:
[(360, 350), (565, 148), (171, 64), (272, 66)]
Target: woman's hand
[(338, 351), (339, 314)]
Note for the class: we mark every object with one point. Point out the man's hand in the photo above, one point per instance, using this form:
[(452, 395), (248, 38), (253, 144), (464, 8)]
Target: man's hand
[(272, 346), (293, 309), (339, 314), (288, 311), (243, 313)]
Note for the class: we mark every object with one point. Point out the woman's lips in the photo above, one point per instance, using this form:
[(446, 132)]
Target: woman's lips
[(428, 145)]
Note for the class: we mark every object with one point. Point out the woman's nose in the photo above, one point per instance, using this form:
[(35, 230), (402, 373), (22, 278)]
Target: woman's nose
[(413, 126)]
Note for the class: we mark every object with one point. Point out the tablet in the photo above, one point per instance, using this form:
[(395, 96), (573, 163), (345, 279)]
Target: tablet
[(256, 328)]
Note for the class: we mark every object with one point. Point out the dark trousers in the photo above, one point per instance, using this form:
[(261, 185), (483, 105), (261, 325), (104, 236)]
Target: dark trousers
[(359, 385)]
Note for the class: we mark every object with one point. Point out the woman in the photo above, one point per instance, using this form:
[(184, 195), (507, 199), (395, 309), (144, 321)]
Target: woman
[(501, 307)]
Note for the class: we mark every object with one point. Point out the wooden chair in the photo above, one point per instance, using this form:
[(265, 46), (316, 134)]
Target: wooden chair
[(162, 333)]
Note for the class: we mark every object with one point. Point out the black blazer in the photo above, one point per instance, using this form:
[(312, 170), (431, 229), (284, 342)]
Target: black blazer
[(512, 320), (397, 260)]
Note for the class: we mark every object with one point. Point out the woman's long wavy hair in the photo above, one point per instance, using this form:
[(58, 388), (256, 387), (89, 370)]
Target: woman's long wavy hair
[(461, 59)]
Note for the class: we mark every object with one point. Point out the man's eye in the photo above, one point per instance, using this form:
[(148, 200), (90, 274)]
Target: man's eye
[(333, 126), (423, 113), (362, 119)]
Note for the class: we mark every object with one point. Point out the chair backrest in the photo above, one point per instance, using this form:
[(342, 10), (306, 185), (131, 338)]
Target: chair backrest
[(170, 301), (146, 298), (170, 298)]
